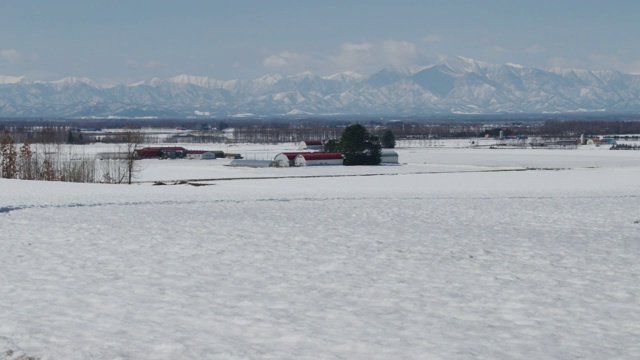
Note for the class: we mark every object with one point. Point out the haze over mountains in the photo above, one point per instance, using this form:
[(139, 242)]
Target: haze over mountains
[(455, 86)]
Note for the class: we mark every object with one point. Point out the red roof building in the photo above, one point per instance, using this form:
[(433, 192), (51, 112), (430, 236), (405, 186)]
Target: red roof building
[(310, 144), (161, 152), (316, 159), (286, 159)]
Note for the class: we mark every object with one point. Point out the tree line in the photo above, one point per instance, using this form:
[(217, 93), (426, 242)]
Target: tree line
[(272, 131)]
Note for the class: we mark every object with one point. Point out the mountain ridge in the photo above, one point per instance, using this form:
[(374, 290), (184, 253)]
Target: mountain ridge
[(455, 85)]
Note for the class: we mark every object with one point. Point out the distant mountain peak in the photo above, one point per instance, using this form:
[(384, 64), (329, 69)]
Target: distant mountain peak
[(302, 75), (345, 75), (13, 80), (461, 64), (187, 79), (270, 77), (70, 80), (513, 65)]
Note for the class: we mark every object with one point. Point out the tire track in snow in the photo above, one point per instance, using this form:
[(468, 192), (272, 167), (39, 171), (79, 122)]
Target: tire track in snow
[(9, 209), (187, 181)]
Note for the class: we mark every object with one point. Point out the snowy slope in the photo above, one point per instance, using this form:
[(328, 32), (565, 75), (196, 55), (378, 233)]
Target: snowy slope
[(524, 264)]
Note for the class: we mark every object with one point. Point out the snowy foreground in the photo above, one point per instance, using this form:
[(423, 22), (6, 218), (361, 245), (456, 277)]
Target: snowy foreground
[(441, 258)]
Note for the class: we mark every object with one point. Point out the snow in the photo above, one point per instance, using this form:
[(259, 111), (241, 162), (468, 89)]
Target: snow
[(201, 81), (156, 81), (345, 76), (298, 112), (189, 79), (242, 115), (456, 254), (4, 79), (302, 75), (71, 80)]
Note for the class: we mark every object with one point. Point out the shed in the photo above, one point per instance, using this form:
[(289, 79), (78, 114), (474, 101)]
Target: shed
[(121, 155), (389, 157), (317, 159), (233, 156), (251, 163), (201, 155), (310, 145)]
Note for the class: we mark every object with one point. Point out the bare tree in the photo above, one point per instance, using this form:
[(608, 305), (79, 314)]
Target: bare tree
[(123, 168), (8, 156), (28, 165), (132, 138)]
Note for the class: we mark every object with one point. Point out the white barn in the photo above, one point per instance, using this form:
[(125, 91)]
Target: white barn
[(317, 159), (389, 157), (287, 159), (310, 145)]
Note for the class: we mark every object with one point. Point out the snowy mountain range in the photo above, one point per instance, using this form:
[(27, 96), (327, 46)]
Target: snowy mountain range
[(457, 85)]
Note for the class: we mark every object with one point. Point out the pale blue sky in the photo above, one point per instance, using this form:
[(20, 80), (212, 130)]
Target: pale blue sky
[(129, 40)]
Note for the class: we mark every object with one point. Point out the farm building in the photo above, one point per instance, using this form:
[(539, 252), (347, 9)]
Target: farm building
[(251, 163), (112, 155), (603, 141), (168, 152), (204, 154), (310, 145), (233, 156), (316, 159), (389, 157), (287, 159)]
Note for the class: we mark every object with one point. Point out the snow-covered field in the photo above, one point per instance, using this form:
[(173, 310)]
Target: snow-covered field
[(456, 254)]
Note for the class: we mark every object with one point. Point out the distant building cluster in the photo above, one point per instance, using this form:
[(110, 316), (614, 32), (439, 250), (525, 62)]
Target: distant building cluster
[(170, 152), (601, 141), (310, 154)]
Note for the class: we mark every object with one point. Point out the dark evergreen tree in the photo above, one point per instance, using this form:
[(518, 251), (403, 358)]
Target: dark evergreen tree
[(358, 147), (70, 138), (495, 132), (331, 146), (388, 140), (374, 151)]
